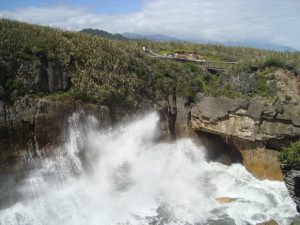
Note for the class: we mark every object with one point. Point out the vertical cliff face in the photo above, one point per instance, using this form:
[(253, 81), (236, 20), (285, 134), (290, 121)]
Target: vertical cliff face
[(32, 123)]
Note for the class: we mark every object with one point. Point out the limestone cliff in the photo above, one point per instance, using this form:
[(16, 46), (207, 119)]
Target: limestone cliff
[(257, 131)]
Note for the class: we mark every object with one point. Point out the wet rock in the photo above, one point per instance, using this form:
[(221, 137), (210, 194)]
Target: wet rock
[(259, 160), (270, 222), (30, 122), (291, 176), (225, 200)]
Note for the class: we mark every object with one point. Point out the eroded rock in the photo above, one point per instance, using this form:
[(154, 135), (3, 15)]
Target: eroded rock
[(33, 121), (250, 127)]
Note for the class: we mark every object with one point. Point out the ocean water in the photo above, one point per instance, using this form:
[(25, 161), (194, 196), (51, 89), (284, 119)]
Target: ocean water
[(123, 176)]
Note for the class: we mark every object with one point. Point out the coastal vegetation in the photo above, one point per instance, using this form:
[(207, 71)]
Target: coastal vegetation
[(103, 69)]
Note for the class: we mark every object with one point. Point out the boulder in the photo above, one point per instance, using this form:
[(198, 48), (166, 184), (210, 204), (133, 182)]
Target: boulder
[(225, 200)]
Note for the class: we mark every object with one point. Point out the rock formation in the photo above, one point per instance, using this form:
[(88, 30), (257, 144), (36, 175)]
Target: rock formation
[(292, 182), (37, 121), (257, 131)]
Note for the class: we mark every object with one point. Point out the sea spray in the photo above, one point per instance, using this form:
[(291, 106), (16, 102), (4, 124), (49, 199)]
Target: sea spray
[(123, 176)]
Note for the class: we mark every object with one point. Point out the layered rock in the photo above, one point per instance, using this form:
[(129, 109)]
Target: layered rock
[(256, 130), (33, 123)]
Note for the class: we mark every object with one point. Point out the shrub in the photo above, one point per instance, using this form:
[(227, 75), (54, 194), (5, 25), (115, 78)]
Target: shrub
[(80, 94), (261, 88), (291, 155), (275, 62)]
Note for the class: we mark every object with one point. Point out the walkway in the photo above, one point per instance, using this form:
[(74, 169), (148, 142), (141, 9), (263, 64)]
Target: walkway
[(210, 65)]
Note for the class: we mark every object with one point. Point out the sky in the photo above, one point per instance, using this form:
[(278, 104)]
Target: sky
[(268, 21)]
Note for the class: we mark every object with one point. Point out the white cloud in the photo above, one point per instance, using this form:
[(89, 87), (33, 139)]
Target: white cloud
[(272, 21)]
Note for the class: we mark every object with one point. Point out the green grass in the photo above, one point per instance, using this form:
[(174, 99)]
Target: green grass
[(163, 52)]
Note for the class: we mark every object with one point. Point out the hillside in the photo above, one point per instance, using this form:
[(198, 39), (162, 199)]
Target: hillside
[(99, 66)]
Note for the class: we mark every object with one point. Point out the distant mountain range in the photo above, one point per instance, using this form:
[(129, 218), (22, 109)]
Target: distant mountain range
[(154, 37), (160, 37), (261, 45)]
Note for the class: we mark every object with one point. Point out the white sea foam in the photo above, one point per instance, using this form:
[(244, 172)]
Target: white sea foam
[(124, 177)]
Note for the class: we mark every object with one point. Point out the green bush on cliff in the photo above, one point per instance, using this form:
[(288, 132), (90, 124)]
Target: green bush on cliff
[(291, 155)]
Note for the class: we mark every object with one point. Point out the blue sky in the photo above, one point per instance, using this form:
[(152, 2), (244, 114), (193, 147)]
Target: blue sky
[(96, 6), (269, 21)]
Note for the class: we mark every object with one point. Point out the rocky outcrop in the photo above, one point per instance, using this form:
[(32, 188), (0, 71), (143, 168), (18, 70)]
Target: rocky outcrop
[(256, 130), (292, 181), (33, 123), (34, 76), (44, 76), (174, 114)]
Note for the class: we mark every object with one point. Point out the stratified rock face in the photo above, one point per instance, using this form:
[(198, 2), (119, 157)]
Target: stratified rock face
[(44, 76), (31, 122), (292, 181), (254, 129), (174, 114)]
